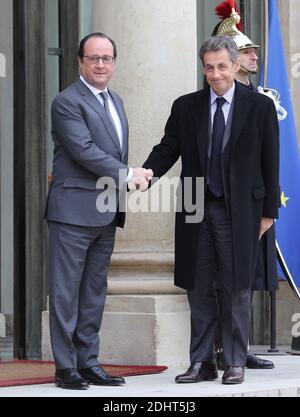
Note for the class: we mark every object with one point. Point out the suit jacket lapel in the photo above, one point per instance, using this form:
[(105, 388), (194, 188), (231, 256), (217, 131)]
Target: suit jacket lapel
[(92, 101), (124, 123), (227, 133)]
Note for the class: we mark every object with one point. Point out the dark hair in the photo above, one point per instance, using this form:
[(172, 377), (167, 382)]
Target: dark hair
[(216, 43), (95, 35)]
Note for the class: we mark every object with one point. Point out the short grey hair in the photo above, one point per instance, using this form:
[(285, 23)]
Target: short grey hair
[(216, 43)]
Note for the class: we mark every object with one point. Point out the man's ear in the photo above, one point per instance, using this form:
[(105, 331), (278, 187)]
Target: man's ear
[(238, 64)]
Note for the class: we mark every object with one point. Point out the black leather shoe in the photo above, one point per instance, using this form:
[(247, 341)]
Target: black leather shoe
[(97, 376), (254, 362), (233, 375), (70, 379), (199, 371)]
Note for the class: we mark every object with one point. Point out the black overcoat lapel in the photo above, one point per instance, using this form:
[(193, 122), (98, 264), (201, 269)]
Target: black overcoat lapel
[(200, 115), (242, 107)]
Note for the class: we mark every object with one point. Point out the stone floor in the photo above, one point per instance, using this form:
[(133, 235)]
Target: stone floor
[(282, 381)]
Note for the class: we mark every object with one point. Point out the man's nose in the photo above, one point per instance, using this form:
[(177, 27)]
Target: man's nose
[(100, 63), (215, 74)]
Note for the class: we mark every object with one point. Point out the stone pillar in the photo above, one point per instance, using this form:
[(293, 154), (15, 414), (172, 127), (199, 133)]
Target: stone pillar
[(147, 319)]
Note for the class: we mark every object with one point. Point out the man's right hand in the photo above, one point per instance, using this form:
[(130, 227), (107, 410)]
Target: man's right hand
[(141, 178)]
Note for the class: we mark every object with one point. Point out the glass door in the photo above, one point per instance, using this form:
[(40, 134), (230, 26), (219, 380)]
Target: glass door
[(53, 68)]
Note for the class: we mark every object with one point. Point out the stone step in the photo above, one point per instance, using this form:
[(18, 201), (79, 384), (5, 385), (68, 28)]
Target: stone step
[(142, 259), (135, 281)]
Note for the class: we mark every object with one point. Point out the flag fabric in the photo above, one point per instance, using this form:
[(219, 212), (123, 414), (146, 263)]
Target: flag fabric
[(288, 225)]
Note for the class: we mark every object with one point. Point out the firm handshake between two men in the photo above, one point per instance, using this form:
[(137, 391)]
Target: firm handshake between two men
[(140, 178)]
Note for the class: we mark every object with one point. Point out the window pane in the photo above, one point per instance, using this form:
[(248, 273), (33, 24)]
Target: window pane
[(86, 17), (52, 23), (53, 90)]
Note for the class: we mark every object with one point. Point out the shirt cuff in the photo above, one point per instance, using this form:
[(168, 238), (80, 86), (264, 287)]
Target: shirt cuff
[(130, 174)]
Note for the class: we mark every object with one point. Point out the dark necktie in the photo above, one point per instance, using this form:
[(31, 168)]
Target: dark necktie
[(104, 96), (215, 178)]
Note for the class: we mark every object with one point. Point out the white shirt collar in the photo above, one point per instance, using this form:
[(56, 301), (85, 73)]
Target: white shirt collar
[(228, 96), (93, 89)]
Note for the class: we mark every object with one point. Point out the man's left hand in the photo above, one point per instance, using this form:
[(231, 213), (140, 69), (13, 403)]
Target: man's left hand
[(265, 224)]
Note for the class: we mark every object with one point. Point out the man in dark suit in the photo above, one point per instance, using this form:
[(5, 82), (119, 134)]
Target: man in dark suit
[(228, 136), (90, 134), (266, 270)]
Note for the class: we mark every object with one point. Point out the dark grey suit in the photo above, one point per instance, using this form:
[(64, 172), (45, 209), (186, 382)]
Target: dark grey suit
[(81, 238)]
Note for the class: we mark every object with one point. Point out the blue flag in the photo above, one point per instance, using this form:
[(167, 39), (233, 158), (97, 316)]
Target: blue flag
[(288, 225)]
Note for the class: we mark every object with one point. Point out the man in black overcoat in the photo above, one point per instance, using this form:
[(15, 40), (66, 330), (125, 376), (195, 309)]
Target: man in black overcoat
[(266, 269), (228, 136)]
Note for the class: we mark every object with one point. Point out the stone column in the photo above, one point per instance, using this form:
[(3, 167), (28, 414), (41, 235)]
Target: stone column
[(147, 318)]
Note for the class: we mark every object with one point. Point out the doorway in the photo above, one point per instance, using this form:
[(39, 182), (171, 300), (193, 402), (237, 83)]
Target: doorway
[(46, 34)]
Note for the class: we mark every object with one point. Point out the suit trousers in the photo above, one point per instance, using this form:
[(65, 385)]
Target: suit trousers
[(78, 262), (215, 270), (218, 335)]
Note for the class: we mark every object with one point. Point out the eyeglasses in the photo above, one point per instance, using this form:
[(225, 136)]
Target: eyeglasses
[(95, 59)]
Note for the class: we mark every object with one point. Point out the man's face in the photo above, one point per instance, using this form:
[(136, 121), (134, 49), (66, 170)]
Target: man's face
[(98, 75), (220, 71), (248, 59)]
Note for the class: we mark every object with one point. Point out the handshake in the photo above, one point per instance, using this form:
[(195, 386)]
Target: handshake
[(140, 178)]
